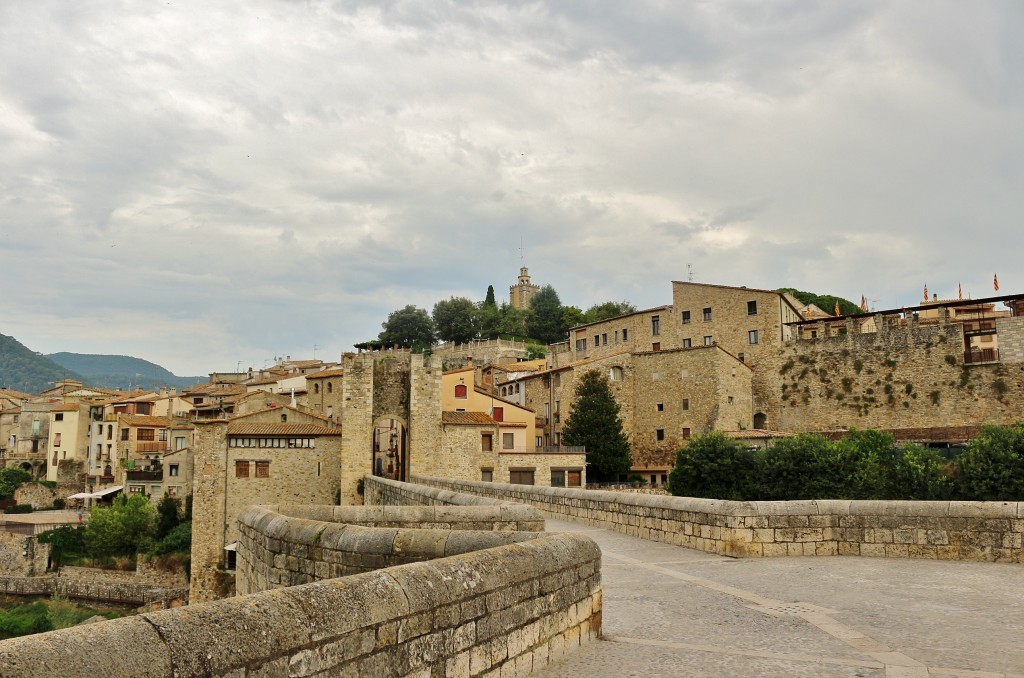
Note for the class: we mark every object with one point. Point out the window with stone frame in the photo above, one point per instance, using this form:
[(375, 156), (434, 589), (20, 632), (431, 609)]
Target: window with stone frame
[(521, 476), (687, 343), (708, 340), (487, 442), (263, 469), (655, 325), (752, 336), (686, 403), (242, 468), (707, 314), (685, 315), (751, 308), (145, 434), (487, 475), (508, 441)]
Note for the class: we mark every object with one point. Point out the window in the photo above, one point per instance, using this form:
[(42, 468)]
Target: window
[(557, 478), (741, 357), (558, 378), (751, 308), (487, 475), (625, 334), (241, 469), (661, 407), (263, 469), (56, 439), (707, 314), (581, 345), (179, 442), (659, 434), (110, 432), (752, 336), (330, 387), (656, 346), (687, 343), (504, 391), (686, 403), (172, 469), (316, 388), (498, 413), (730, 400), (486, 442), (604, 338), (124, 434), (708, 340), (686, 317), (655, 325), (615, 373), (163, 435), (538, 441), (616, 336), (574, 478), (517, 388), (59, 416), (597, 340), (521, 476), (284, 417), (686, 434), (461, 391), (145, 434), (508, 441)]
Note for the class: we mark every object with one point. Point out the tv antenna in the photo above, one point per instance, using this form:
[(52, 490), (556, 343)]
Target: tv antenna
[(689, 273)]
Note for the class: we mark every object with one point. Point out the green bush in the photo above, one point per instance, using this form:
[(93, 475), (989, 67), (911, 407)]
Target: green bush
[(178, 540), (797, 468), (66, 542), (713, 466), (992, 467), (11, 478)]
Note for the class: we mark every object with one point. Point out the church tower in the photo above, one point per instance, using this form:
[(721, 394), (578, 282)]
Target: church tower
[(521, 293)]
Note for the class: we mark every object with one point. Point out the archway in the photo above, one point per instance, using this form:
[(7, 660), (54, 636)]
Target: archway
[(390, 448), (760, 421)]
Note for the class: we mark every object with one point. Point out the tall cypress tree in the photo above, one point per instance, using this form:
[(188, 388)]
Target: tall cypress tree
[(489, 299), (594, 422)]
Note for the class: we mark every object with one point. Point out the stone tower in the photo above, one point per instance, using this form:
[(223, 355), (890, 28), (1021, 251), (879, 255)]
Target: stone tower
[(521, 293), (391, 414)]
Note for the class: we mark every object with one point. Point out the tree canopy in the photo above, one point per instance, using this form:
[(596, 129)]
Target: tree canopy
[(826, 302), (457, 320), (545, 321), (408, 327), (609, 309), (595, 423)]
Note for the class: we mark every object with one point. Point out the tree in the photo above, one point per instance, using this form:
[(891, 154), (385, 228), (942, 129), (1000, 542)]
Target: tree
[(544, 321), (713, 466), (121, 529), (64, 541), (489, 299), (511, 321), (167, 515), (572, 316), (408, 327), (992, 467), (609, 309), (594, 422), (11, 478), (456, 320)]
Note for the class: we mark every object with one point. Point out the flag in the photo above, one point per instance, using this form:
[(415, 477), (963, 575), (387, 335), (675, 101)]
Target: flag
[(959, 291), (863, 303), (837, 308), (995, 282), (926, 291)]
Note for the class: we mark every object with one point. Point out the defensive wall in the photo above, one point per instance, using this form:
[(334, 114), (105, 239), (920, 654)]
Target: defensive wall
[(124, 592), (943, 530), (521, 600)]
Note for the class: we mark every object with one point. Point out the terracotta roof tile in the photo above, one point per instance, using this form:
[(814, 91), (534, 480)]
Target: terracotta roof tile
[(283, 408), (65, 407), (215, 389), (323, 374), (467, 419), (145, 420), (238, 428)]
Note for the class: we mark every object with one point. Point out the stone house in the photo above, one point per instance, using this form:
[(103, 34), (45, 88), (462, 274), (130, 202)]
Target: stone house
[(323, 392), (69, 435)]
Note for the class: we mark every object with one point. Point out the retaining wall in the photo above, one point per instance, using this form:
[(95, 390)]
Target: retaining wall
[(113, 592), (944, 530)]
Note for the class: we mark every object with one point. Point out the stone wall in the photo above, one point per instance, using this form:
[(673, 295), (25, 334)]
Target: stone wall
[(944, 530), (130, 593), (502, 611), (905, 375), (277, 550), (38, 495), (150, 576), (22, 555)]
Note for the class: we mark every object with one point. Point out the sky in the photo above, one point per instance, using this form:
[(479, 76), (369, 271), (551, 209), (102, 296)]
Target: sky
[(211, 185)]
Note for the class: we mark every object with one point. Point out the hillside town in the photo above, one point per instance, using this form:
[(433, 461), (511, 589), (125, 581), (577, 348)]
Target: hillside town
[(755, 365)]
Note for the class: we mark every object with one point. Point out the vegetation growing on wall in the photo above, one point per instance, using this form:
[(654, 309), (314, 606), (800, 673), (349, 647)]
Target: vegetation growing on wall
[(862, 465)]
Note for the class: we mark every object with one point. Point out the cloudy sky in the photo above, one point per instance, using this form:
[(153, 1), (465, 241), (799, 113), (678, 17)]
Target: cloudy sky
[(202, 183)]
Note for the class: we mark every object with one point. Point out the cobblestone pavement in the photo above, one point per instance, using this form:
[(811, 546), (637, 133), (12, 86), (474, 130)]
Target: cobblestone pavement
[(673, 611)]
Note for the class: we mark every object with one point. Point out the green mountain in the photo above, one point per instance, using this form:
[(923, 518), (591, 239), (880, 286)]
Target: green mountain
[(24, 370), (121, 371), (826, 302)]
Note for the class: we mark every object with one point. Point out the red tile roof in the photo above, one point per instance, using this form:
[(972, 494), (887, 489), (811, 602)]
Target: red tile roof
[(247, 429), (467, 419), (145, 421), (323, 374)]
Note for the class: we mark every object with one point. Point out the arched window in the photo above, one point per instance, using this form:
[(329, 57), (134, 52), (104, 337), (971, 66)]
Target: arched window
[(760, 420), (316, 388), (330, 387), (461, 391)]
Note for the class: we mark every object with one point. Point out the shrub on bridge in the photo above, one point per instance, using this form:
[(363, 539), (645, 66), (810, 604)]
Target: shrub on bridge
[(713, 466)]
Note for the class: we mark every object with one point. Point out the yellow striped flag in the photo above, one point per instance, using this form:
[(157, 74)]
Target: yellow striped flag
[(995, 282)]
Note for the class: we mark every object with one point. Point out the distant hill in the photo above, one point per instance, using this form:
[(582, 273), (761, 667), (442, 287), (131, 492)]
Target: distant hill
[(24, 370), (120, 371), (826, 302)]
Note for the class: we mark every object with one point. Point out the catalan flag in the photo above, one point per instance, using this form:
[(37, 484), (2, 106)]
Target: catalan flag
[(863, 303), (995, 282), (926, 291), (959, 291), (837, 308)]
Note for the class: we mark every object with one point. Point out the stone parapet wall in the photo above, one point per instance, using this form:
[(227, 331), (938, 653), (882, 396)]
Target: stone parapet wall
[(491, 516), (944, 530), (502, 611), (277, 550), (143, 575), (113, 592)]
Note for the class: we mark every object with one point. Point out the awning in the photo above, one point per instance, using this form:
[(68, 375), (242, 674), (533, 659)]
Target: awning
[(81, 495), (108, 491), (233, 546)]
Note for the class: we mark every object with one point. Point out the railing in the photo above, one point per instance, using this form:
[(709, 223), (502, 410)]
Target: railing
[(160, 446), (985, 355), (541, 422), (564, 449), (145, 475)]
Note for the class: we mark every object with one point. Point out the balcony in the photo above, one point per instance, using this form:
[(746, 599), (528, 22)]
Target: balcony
[(981, 356), (564, 449), (541, 422), (149, 447), (149, 476)]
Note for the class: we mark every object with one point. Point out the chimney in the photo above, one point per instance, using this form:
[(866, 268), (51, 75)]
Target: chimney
[(469, 361)]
